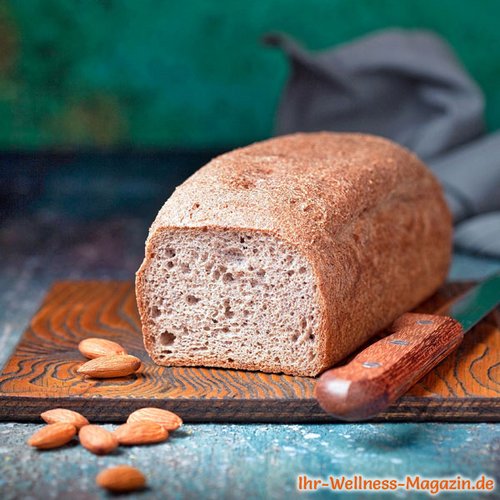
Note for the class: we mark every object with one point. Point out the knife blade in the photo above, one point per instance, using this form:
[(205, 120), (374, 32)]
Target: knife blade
[(380, 374)]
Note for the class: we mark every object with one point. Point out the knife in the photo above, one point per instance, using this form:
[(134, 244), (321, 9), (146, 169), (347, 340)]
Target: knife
[(380, 374)]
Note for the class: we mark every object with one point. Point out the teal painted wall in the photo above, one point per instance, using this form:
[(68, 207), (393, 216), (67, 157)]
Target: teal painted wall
[(192, 73)]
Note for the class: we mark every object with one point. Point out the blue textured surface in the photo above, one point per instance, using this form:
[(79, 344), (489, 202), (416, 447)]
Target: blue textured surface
[(254, 461), (93, 225)]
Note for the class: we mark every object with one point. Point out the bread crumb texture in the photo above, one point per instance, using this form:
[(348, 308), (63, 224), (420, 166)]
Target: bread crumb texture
[(232, 297)]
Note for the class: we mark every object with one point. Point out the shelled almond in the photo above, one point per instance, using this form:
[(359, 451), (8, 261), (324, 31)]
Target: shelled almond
[(168, 420), (52, 436), (97, 439), (96, 347), (58, 415), (117, 365), (121, 479), (137, 433)]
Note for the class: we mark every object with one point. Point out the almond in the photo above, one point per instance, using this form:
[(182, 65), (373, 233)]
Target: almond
[(97, 439), (118, 365), (94, 348), (52, 436), (140, 433), (57, 415), (121, 479), (168, 420)]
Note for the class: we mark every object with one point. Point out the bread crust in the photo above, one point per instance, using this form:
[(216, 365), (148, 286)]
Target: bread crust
[(367, 214)]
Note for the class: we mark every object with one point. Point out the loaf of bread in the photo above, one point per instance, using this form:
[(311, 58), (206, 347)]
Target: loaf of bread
[(287, 255)]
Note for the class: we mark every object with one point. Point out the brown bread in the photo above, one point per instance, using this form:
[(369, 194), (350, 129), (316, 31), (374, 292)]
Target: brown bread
[(288, 254)]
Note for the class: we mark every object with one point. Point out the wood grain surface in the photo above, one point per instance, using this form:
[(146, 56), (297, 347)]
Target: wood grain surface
[(42, 372)]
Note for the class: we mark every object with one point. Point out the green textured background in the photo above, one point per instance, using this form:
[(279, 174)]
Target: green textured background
[(147, 73)]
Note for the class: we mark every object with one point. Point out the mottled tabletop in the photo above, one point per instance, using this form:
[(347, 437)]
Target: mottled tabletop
[(86, 217)]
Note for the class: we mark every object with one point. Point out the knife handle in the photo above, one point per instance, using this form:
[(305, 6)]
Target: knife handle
[(384, 371)]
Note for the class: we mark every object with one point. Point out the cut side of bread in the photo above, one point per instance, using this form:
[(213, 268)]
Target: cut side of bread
[(231, 298)]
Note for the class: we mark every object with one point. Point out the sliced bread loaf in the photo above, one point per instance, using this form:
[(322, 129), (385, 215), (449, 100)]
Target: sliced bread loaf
[(288, 254)]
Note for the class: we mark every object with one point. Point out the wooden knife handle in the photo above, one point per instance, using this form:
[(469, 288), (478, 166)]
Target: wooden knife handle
[(383, 372)]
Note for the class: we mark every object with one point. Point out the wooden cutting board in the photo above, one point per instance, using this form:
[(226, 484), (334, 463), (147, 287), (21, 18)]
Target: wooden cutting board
[(41, 374)]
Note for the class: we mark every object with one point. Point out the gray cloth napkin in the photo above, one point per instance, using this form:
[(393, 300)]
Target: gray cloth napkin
[(410, 87)]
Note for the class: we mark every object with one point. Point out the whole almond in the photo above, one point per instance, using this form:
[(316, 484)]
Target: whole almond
[(118, 365), (140, 433), (121, 479), (97, 439), (52, 436), (168, 420), (62, 415), (94, 348)]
